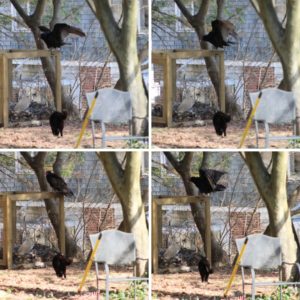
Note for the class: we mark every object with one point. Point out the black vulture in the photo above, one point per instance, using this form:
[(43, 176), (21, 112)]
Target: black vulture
[(208, 181), (204, 269), (56, 121), (220, 121), (60, 263), (221, 30), (55, 38), (58, 184)]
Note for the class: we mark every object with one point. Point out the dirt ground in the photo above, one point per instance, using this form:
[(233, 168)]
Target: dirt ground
[(42, 137), (204, 137), (188, 286), (43, 284)]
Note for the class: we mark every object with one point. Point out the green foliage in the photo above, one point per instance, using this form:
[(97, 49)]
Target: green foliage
[(287, 294), (136, 144), (294, 143), (141, 292)]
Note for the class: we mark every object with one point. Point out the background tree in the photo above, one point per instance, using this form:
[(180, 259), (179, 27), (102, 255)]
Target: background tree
[(127, 185), (37, 163), (284, 37), (272, 188), (183, 167), (122, 41)]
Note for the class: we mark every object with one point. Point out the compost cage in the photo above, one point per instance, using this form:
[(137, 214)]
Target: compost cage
[(181, 87), (173, 229), (26, 235), (25, 95)]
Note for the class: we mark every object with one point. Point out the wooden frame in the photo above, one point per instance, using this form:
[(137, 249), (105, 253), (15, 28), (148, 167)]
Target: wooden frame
[(6, 58), (167, 59), (8, 205), (157, 203)]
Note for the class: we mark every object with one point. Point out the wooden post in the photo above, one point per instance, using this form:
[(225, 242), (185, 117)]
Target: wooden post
[(4, 89), (159, 226), (9, 81), (154, 237), (208, 229), (62, 241), (168, 81), (13, 220), (8, 234), (3, 207), (58, 81), (222, 81)]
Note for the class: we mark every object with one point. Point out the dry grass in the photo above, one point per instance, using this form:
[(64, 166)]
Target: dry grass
[(204, 137), (43, 284), (41, 137), (189, 286)]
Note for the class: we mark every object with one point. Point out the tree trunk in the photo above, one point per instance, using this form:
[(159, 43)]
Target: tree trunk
[(126, 184), (123, 43), (272, 188), (183, 167), (284, 41), (37, 164)]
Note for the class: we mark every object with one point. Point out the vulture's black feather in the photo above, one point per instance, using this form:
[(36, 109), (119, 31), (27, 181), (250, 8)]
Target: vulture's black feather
[(208, 181), (58, 184), (56, 37), (60, 263), (220, 121), (56, 121), (219, 36), (204, 269)]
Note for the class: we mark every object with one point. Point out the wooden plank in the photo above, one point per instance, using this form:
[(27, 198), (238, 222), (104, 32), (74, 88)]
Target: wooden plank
[(184, 54), (9, 80), (208, 229), (159, 226), (158, 120), (58, 82), (154, 238), (168, 93), (1, 90), (4, 71), (179, 200), (34, 196), (5, 218), (222, 82), (9, 241), (62, 241), (11, 54), (13, 221)]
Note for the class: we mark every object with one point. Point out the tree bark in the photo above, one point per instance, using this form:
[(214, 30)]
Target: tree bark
[(272, 188), (284, 41), (126, 184), (123, 43), (33, 22), (183, 168), (37, 164)]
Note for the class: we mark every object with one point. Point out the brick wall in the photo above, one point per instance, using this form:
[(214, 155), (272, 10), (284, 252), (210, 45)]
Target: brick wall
[(256, 75), (93, 78), (95, 216), (240, 222)]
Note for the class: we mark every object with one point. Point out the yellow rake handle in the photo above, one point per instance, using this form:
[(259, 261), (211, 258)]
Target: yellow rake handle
[(86, 119), (250, 120), (235, 268), (89, 264)]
